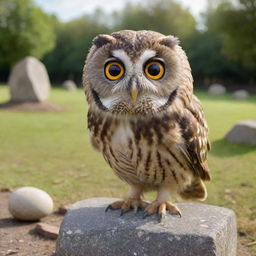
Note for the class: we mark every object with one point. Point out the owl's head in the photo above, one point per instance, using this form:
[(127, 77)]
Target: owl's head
[(136, 73)]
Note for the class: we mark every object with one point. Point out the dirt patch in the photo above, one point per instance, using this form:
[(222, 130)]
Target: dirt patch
[(19, 238), (44, 106)]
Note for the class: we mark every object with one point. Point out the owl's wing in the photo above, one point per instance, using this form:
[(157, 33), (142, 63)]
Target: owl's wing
[(194, 131)]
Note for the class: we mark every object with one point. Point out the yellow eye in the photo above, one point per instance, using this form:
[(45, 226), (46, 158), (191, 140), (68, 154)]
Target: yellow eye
[(154, 70), (114, 70)]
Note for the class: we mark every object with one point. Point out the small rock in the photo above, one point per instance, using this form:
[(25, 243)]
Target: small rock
[(243, 133), (30, 204), (69, 85), (240, 95), (217, 89), (47, 230), (11, 252)]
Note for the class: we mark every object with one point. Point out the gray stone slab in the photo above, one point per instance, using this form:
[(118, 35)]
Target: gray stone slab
[(203, 230), (29, 81), (243, 132)]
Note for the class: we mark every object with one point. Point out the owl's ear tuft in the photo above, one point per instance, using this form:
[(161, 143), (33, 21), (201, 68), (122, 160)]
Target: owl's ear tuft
[(101, 40), (169, 41)]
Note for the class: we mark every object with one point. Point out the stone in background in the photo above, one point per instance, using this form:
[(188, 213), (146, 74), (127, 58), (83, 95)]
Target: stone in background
[(243, 133), (217, 89), (29, 81), (69, 85), (240, 95)]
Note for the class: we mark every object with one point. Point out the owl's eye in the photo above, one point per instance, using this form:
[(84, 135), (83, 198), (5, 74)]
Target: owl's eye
[(114, 70), (154, 70)]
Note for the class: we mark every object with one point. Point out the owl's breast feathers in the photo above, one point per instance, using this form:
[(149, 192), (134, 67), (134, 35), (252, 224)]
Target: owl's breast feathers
[(173, 146)]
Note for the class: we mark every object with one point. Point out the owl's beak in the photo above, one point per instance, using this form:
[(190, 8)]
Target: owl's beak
[(134, 94)]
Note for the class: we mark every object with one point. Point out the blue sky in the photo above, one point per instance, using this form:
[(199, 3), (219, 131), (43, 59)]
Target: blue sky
[(70, 9)]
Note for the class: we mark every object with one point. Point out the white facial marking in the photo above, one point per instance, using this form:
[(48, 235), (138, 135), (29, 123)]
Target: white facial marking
[(122, 55), (146, 55), (158, 101), (136, 69), (109, 101)]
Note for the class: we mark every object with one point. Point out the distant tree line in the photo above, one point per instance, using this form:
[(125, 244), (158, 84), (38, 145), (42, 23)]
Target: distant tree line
[(222, 49)]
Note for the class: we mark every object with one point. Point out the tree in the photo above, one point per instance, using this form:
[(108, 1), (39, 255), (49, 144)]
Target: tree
[(165, 16), (204, 49), (74, 38), (237, 26), (24, 30)]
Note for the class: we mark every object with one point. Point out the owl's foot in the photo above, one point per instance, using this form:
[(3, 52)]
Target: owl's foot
[(160, 208), (127, 205)]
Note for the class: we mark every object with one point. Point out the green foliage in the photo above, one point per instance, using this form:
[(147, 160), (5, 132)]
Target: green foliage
[(73, 42), (237, 26), (24, 30), (204, 49), (164, 16)]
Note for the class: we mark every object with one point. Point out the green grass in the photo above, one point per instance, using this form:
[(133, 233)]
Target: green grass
[(51, 150)]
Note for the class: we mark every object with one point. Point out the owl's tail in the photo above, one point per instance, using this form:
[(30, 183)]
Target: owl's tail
[(196, 190)]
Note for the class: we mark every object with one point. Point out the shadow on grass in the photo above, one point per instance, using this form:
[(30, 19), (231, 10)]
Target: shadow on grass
[(223, 148)]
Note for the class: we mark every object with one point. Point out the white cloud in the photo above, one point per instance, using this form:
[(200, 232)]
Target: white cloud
[(70, 9)]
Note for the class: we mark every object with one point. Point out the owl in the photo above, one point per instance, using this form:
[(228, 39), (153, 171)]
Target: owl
[(145, 120)]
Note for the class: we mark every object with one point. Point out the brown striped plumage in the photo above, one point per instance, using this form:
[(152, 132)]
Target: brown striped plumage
[(158, 142)]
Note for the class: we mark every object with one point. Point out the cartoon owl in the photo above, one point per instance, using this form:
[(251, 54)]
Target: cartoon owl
[(145, 120)]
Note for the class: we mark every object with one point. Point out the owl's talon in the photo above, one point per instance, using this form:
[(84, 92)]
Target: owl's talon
[(161, 216), (178, 214), (127, 205), (160, 208), (136, 209), (108, 207), (173, 209), (145, 215)]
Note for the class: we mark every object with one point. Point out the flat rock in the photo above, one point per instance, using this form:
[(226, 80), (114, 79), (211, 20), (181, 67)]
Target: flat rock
[(217, 89), (29, 81), (47, 231), (243, 133), (203, 230)]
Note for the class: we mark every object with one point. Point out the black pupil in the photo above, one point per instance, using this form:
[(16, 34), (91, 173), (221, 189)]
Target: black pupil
[(114, 70), (154, 69)]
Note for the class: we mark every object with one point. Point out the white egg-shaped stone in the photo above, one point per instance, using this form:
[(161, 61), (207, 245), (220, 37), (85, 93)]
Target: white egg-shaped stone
[(30, 203)]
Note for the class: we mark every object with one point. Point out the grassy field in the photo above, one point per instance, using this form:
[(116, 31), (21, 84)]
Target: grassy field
[(51, 151)]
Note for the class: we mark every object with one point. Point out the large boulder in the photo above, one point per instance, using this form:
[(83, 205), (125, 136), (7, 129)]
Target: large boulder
[(243, 133), (240, 95), (217, 89), (69, 85), (203, 230), (29, 81)]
